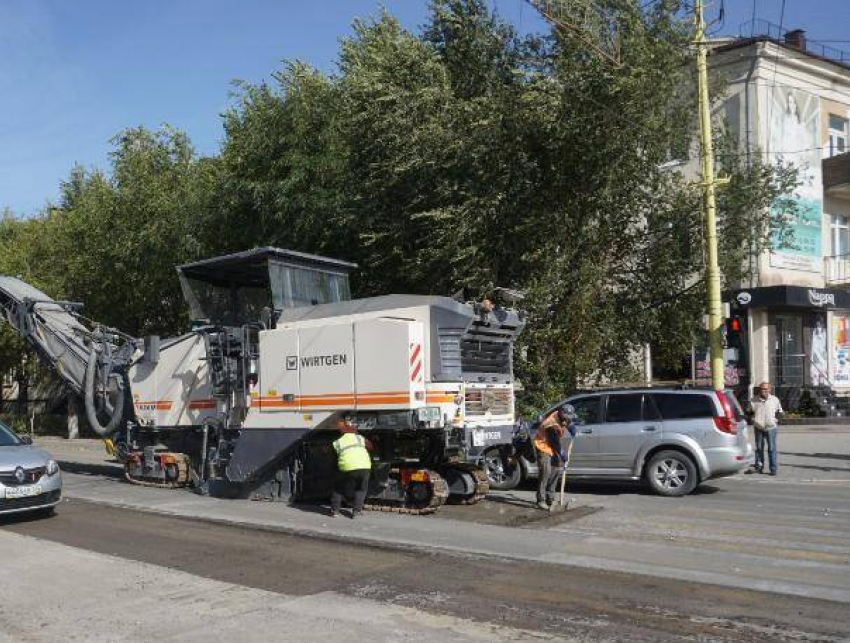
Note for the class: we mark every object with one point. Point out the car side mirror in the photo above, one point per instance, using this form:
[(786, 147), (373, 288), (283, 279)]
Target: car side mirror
[(26, 439)]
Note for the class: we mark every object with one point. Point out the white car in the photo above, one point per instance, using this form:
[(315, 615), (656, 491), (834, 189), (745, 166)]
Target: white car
[(30, 479)]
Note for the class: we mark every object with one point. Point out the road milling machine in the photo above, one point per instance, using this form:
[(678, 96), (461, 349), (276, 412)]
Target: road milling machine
[(249, 401)]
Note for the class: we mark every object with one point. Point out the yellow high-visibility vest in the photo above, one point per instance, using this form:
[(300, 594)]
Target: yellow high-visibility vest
[(351, 453)]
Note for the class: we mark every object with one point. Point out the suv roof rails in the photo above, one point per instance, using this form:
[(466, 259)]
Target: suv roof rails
[(679, 385)]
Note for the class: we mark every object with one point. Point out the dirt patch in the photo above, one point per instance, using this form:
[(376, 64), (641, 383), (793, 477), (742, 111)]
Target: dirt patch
[(508, 512)]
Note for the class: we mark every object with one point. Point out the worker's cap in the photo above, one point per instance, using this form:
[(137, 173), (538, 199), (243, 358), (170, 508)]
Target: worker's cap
[(568, 411)]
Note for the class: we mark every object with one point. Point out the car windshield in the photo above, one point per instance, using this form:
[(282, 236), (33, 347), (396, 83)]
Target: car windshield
[(8, 437)]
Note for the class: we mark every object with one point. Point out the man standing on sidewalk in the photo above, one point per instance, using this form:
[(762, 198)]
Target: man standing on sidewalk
[(765, 409)]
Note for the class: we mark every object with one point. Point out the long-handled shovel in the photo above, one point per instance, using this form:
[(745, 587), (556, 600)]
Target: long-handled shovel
[(563, 504)]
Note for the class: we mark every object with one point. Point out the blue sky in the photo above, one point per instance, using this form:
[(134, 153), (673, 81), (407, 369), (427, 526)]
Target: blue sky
[(75, 73)]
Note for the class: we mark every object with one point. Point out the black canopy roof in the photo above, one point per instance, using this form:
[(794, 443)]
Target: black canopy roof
[(251, 267)]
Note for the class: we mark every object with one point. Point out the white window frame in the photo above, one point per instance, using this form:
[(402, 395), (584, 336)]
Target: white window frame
[(837, 135), (838, 264), (837, 223)]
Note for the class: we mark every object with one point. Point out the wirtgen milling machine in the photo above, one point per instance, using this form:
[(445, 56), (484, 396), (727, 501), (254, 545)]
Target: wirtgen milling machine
[(248, 402)]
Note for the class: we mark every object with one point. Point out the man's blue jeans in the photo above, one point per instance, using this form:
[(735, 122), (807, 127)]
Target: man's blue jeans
[(769, 436)]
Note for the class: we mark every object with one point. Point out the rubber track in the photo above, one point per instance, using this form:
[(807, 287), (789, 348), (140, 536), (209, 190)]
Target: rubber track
[(182, 477), (439, 495), (482, 485)]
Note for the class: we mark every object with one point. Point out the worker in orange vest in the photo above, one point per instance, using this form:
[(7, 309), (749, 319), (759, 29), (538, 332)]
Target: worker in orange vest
[(551, 455)]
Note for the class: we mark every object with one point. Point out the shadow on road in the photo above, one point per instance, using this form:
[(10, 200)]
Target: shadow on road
[(25, 517), (106, 469), (813, 467), (614, 488), (822, 456), (316, 507)]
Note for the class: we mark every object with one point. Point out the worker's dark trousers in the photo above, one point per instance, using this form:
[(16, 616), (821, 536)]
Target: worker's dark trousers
[(352, 486), (547, 477)]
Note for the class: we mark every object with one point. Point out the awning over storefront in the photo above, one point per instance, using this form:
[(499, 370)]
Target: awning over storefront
[(788, 297)]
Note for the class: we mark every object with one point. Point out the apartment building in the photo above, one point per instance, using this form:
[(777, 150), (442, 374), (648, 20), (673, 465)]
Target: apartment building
[(789, 99)]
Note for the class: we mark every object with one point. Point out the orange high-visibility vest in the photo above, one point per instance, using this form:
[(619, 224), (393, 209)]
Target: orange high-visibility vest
[(540, 441)]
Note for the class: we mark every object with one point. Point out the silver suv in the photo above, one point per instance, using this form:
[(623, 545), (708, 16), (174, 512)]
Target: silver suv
[(671, 438)]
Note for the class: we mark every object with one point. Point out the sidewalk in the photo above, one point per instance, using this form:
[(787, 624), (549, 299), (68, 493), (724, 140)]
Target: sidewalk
[(615, 528)]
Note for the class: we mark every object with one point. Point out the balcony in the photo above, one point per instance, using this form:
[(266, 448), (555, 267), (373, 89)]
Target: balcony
[(836, 269), (836, 175)]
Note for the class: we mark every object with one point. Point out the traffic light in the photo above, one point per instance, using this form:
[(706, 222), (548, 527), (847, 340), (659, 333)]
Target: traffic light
[(734, 332)]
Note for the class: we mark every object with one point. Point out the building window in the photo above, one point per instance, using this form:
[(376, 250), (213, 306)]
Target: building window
[(840, 232), (838, 135)]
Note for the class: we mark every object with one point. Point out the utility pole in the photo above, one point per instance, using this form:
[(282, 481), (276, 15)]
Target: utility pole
[(709, 183)]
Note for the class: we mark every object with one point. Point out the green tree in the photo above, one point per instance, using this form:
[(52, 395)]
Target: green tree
[(466, 156), (463, 155), (114, 240)]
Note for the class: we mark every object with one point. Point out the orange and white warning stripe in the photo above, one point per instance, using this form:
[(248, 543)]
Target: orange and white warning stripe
[(197, 405), (336, 400), (417, 373), (157, 405)]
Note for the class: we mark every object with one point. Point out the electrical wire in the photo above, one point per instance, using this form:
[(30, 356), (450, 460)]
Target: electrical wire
[(721, 19)]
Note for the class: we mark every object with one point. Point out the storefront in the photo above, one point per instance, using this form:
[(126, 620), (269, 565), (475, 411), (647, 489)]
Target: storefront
[(793, 336)]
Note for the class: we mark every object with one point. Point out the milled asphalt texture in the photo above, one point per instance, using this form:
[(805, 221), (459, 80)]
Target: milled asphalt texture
[(787, 535)]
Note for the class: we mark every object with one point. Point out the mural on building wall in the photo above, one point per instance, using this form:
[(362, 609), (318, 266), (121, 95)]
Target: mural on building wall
[(793, 136), (841, 350)]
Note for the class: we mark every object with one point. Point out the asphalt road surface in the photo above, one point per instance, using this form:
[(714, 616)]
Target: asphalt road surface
[(95, 572)]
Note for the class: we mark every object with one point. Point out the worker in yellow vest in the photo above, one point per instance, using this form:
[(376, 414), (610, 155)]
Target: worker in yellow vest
[(353, 464)]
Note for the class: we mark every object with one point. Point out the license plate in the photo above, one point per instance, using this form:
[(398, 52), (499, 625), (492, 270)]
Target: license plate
[(23, 492)]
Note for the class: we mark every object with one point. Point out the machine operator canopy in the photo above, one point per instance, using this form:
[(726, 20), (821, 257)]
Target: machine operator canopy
[(232, 290)]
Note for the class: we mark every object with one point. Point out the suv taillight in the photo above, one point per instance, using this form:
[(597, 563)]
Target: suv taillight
[(727, 422)]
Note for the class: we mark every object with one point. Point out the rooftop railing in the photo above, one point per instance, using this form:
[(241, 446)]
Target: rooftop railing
[(793, 38)]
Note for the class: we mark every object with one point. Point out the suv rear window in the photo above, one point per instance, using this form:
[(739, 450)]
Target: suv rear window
[(683, 406)]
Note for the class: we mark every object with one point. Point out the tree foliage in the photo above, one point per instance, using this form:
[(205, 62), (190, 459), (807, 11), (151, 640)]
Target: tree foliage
[(461, 156)]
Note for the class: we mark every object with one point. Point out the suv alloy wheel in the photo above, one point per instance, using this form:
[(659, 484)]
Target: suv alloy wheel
[(671, 473)]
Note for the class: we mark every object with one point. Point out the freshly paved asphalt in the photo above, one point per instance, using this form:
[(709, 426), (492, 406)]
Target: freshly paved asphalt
[(789, 534)]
